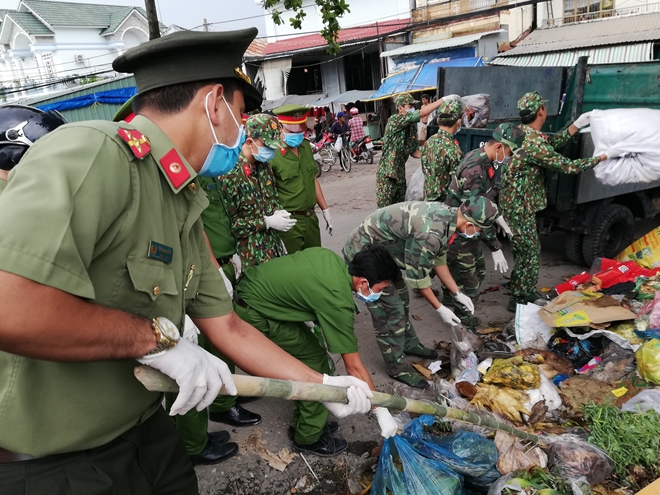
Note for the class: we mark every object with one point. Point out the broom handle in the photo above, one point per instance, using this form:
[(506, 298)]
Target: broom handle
[(254, 386)]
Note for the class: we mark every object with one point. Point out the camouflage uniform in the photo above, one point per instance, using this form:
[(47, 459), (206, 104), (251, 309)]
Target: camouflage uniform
[(441, 155), (250, 194), (399, 142), (417, 235), (523, 194), (476, 176)]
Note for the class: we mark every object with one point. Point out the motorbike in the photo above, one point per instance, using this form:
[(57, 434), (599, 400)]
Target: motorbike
[(324, 153), (363, 150)]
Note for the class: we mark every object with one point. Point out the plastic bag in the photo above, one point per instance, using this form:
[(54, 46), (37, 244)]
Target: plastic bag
[(415, 189), (652, 308), (643, 401), (547, 392), (420, 476), (338, 144), (510, 482), (515, 454), (648, 361), (514, 373), (576, 459), (476, 110), (464, 452), (531, 331), (579, 352)]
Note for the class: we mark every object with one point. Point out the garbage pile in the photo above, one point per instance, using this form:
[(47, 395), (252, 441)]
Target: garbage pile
[(580, 371)]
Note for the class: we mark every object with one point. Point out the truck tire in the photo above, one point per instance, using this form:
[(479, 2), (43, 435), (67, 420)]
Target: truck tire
[(612, 232), (573, 247)]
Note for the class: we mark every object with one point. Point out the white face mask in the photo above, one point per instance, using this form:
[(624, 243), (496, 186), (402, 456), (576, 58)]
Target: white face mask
[(372, 297)]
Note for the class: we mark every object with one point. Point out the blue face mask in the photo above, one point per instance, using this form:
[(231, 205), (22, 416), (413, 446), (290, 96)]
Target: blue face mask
[(372, 297), (222, 158), (294, 139), (264, 154), (465, 235), (411, 110)]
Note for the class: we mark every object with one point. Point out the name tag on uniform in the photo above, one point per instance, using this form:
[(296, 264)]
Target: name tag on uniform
[(160, 252)]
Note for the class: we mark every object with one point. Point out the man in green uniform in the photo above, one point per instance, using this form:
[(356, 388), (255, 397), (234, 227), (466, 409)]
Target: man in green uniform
[(250, 195), (100, 231), (298, 189), (278, 304), (523, 190), (417, 235), (441, 153), (399, 142), (479, 175)]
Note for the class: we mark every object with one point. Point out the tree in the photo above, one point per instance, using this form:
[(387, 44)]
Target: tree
[(152, 19), (331, 10)]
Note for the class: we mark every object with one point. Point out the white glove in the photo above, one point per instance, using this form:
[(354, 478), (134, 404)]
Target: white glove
[(228, 286), (280, 220), (611, 153), (503, 227), (500, 262), (358, 393), (583, 120), (309, 324), (328, 220), (388, 426), (464, 300), (451, 97), (236, 261), (190, 331), (448, 316), (199, 374)]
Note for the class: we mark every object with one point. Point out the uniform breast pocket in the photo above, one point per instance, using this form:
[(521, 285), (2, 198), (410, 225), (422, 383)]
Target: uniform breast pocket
[(152, 281), (288, 172)]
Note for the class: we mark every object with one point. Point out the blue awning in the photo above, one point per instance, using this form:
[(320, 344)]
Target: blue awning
[(422, 78), (113, 96)]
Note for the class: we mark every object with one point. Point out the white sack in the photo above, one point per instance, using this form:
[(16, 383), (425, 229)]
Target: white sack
[(632, 131), (415, 189), (531, 332)]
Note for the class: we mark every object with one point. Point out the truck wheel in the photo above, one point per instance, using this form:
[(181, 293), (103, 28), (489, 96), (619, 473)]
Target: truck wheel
[(573, 247), (612, 232)]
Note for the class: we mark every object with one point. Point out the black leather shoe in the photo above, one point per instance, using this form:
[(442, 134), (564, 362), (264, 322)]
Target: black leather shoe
[(215, 452), (236, 416), (245, 400), (221, 436), (329, 428), (326, 446)]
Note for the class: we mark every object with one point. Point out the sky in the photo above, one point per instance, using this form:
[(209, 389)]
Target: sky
[(190, 13)]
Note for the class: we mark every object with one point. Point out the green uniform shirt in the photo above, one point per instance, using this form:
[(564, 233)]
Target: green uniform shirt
[(399, 142), (3, 184), (321, 290), (295, 178), (417, 235), (79, 215), (440, 158), (217, 224)]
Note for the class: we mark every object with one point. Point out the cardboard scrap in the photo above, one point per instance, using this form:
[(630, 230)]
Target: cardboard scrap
[(578, 309), (278, 461), (423, 370)]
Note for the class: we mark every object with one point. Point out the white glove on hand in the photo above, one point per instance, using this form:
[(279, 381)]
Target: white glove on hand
[(228, 286), (503, 227), (236, 261), (328, 220), (280, 220), (388, 426), (611, 153), (190, 331), (583, 120), (358, 393), (199, 374), (465, 301), (448, 316), (500, 262), (309, 324)]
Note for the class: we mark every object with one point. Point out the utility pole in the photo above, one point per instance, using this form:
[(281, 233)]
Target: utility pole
[(205, 25), (152, 19)]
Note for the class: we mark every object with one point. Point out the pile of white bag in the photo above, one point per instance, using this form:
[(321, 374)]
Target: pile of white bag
[(633, 132)]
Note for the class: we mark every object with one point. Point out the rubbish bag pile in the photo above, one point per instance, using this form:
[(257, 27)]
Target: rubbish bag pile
[(581, 371)]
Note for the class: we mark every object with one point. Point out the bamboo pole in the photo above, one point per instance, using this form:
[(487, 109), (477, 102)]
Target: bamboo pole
[(253, 386)]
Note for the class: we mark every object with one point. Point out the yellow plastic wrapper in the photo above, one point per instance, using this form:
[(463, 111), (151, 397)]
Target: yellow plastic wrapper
[(514, 373), (648, 361), (644, 251), (505, 401)]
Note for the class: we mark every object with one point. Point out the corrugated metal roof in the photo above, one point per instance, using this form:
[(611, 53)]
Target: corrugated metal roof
[(596, 33), (640, 52), (433, 46)]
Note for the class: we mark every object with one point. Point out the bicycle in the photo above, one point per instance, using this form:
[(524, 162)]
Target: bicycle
[(324, 153), (345, 152)]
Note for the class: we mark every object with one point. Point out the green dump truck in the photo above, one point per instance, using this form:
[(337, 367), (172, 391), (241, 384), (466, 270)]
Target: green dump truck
[(599, 220)]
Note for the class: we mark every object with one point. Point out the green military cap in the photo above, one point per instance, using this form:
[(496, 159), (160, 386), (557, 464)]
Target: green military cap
[(265, 127), (126, 111), (292, 114), (404, 99), (531, 102), (450, 109), (509, 134), (480, 211), (189, 56)]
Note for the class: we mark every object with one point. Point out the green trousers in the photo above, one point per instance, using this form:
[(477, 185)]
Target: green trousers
[(148, 459), (193, 426), (304, 234), (394, 332), (526, 249), (309, 418), (465, 260)]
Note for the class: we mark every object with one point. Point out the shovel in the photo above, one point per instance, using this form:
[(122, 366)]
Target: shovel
[(253, 386)]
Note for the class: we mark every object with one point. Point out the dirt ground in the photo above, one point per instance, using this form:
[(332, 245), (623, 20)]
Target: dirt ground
[(351, 197)]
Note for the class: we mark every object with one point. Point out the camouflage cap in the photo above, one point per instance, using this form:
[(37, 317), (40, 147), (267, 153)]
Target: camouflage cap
[(509, 134), (404, 99), (530, 101), (265, 127), (480, 211), (450, 109)]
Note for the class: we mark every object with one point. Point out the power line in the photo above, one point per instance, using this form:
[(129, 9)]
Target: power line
[(52, 83)]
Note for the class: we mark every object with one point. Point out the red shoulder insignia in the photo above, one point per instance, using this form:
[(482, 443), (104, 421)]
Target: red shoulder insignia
[(491, 172), (173, 166), (283, 151), (138, 142), (247, 170), (452, 239)]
